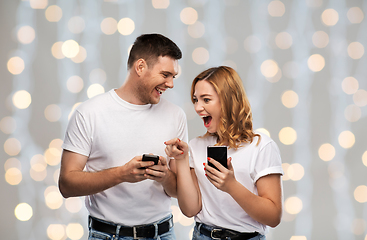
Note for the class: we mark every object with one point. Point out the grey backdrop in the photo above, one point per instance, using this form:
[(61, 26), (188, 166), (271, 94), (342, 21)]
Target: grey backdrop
[(326, 189)]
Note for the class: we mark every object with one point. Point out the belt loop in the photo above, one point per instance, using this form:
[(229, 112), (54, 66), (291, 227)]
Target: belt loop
[(199, 227), (156, 230), (117, 231)]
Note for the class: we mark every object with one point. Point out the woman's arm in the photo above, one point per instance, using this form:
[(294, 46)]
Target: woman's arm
[(188, 192), (265, 208)]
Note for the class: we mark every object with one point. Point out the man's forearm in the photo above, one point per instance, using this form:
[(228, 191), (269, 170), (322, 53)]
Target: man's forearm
[(80, 183), (169, 184)]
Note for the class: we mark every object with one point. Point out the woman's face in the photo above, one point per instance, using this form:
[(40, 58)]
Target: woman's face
[(207, 105)]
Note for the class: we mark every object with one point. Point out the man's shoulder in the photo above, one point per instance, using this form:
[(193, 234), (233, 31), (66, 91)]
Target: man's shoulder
[(94, 103)]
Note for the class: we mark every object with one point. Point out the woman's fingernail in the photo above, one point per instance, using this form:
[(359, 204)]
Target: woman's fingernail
[(208, 159), (204, 164), (164, 142), (182, 153), (206, 175), (204, 169), (179, 140)]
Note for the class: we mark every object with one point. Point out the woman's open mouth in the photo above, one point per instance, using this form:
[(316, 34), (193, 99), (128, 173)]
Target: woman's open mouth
[(207, 120)]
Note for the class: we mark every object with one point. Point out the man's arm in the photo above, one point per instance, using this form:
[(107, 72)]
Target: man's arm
[(75, 182)]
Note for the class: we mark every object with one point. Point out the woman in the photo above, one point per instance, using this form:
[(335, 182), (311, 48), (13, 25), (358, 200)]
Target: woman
[(240, 201)]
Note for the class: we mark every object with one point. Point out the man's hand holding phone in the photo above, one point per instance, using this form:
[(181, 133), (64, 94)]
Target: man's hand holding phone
[(157, 172)]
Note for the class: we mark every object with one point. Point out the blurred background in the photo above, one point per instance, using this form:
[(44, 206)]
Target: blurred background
[(302, 62)]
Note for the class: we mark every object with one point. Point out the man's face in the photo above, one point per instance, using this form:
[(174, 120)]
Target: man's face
[(156, 79)]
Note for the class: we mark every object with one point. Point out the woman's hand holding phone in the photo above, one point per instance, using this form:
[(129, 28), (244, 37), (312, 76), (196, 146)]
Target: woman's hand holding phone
[(222, 178)]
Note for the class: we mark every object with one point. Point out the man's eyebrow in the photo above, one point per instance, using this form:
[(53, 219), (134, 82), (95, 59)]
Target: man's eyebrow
[(168, 73)]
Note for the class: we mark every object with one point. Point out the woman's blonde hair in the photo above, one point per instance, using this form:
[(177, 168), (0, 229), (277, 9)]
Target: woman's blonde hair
[(235, 126)]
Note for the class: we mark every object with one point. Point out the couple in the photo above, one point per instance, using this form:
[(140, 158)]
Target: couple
[(128, 198)]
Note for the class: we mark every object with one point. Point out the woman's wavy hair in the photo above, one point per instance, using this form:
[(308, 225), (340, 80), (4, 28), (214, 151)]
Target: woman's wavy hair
[(235, 127)]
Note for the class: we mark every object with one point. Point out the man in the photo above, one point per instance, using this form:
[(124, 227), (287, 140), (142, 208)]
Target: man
[(106, 138)]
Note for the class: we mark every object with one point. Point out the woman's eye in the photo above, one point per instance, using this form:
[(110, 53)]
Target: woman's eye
[(206, 100)]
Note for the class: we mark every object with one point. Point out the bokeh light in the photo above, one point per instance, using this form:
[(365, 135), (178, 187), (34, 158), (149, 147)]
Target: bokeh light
[(38, 4), (26, 34), (94, 90), (13, 176), (160, 4), (330, 17), (290, 99), (200, 55), (293, 205), (38, 168), (364, 158), (350, 85), (53, 198), (81, 56), (23, 212), (316, 62), (53, 13), (320, 39), (326, 152), (52, 113), (8, 125), (22, 99), (287, 135), (56, 232), (346, 139), (196, 30), (74, 84), (188, 16), (76, 24), (360, 194), (70, 48), (263, 130), (355, 15), (355, 50), (73, 204), (359, 226), (98, 75), (269, 68), (283, 40), (285, 167), (352, 113), (74, 231), (298, 238), (15, 65), (109, 26), (12, 146), (56, 50), (295, 172), (360, 98), (276, 8), (126, 26), (53, 156)]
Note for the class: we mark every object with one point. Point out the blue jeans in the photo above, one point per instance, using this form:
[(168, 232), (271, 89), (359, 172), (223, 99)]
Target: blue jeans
[(199, 236), (96, 235)]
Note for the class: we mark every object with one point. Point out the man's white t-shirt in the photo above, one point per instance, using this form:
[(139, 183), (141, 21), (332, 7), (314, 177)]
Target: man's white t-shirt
[(250, 163), (111, 131)]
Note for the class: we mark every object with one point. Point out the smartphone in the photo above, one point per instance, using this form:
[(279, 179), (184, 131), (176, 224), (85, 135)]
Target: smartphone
[(219, 154), (150, 157)]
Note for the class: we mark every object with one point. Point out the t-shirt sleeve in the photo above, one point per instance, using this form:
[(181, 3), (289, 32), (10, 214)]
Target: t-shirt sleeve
[(268, 161), (78, 137)]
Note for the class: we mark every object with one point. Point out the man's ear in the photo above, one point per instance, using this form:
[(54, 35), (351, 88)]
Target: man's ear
[(140, 66)]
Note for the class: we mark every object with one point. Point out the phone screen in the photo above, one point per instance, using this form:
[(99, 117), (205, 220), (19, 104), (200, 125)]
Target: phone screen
[(218, 153)]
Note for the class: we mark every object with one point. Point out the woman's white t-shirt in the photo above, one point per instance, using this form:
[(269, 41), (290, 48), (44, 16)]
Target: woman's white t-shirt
[(250, 162)]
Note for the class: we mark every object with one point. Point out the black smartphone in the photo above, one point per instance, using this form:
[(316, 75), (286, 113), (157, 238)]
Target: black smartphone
[(219, 154), (150, 157)]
